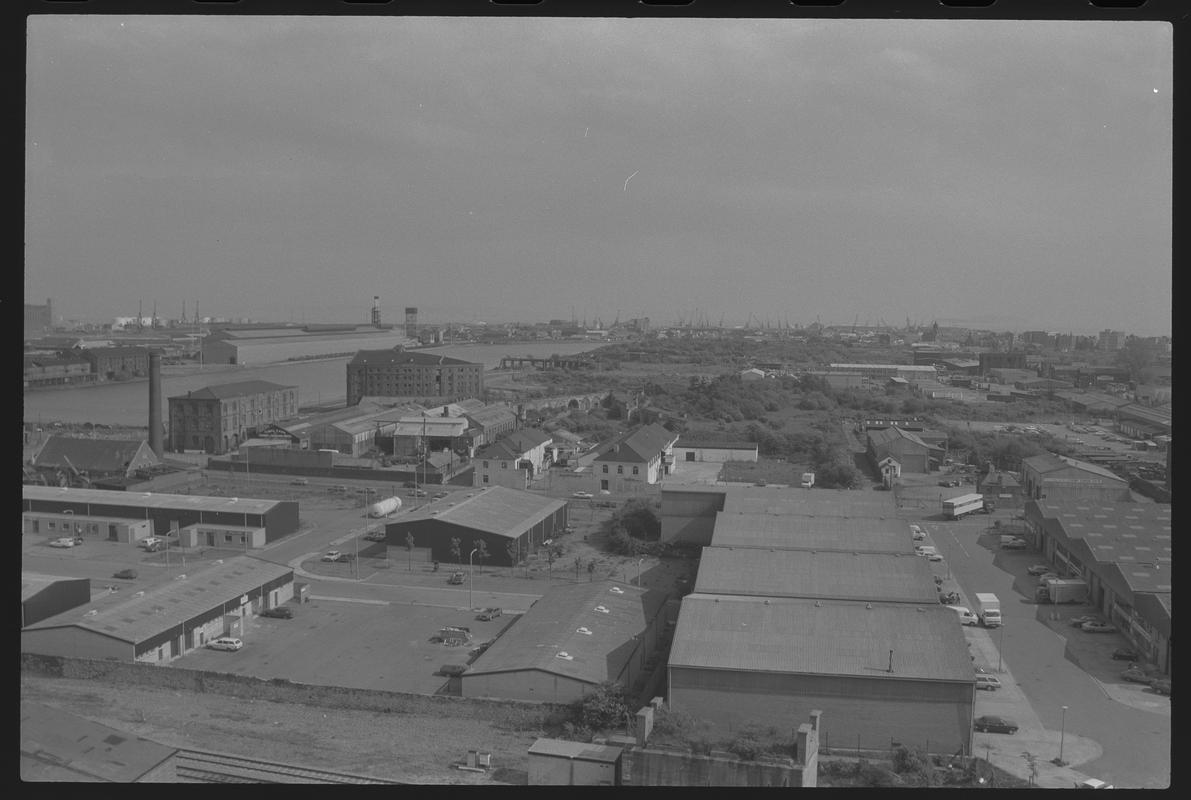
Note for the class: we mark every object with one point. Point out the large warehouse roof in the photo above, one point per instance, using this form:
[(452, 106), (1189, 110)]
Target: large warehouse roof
[(34, 582), (813, 502), (233, 505), (92, 455), (576, 630), (397, 355), (227, 391), (1134, 536), (821, 637), (799, 573), (136, 618), (494, 509), (57, 745), (798, 532)]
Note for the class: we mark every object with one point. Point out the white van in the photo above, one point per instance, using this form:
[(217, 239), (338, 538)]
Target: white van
[(925, 550), (966, 617), (150, 543)]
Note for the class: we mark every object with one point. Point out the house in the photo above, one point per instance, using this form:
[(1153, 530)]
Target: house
[(752, 374), (513, 460), (907, 448), (1002, 487), (642, 456)]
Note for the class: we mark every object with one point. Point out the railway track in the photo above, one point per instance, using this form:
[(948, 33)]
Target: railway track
[(204, 767)]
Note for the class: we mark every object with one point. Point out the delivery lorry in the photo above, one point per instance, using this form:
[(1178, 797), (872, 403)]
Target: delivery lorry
[(1062, 590), (808, 480), (960, 507), (988, 609)]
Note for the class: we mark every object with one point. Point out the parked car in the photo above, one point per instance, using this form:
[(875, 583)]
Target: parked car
[(760, 483), (988, 682), (225, 643), (1097, 627), (991, 724), (1161, 685), (299, 482), (1046, 576), (278, 612), (418, 492), (1092, 783), (441, 495), (488, 614), (1078, 621), (332, 555), (1039, 569), (65, 541), (456, 578), (934, 557), (583, 495), (1135, 674), (126, 574), (1124, 654), (949, 483), (375, 536), (1015, 544)]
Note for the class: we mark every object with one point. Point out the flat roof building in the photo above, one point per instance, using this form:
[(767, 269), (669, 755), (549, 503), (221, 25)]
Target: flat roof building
[(888, 535)]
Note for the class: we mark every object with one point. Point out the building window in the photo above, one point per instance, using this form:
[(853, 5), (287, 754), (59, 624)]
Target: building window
[(485, 479), (485, 465), (604, 469), (227, 537), (636, 470), (504, 465), (620, 469)]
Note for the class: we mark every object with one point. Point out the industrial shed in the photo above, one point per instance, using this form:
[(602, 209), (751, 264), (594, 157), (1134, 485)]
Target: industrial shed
[(880, 672), (57, 746), (875, 577), (167, 511), (695, 450), (496, 516), (574, 638), (272, 345), (161, 623), (797, 532), (44, 596)]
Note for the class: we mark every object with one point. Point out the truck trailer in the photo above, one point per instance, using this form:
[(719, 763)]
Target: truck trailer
[(1063, 590), (988, 609), (960, 507)]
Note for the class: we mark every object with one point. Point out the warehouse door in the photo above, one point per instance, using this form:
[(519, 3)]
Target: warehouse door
[(113, 534)]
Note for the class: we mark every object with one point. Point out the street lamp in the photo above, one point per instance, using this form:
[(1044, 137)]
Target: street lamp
[(1000, 643), (1062, 735), (639, 560), (471, 578)]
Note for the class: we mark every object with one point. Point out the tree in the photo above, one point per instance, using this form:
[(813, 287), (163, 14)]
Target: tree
[(457, 550), (578, 563), (409, 548), (481, 551), (602, 708), (514, 551), (590, 571)]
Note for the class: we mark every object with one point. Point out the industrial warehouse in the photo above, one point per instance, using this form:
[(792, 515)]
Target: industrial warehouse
[(258, 345), (804, 602), (504, 525), (165, 621), (569, 642), (262, 520)]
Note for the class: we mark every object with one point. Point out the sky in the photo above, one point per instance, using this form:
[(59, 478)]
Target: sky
[(1004, 175)]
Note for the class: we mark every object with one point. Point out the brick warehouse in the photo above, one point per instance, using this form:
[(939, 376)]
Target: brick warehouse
[(215, 419), (401, 373)]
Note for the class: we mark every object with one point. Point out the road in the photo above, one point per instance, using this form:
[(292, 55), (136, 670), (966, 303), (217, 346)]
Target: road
[(1135, 743)]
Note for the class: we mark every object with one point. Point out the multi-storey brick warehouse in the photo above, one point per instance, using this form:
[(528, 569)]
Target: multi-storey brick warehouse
[(216, 419), (399, 373)]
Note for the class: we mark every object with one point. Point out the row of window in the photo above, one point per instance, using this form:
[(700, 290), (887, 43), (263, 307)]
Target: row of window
[(620, 469)]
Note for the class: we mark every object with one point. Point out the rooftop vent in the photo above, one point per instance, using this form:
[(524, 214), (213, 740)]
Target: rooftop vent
[(565, 656), (585, 631), (219, 561), (868, 605), (616, 590), (602, 609), (139, 594), (818, 604), (91, 613)]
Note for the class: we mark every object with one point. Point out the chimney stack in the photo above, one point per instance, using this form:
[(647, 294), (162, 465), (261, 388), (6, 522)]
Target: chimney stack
[(155, 427)]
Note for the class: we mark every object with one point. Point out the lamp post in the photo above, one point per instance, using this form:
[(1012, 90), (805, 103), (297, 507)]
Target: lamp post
[(471, 578), (1062, 735), (1000, 643), (639, 560)]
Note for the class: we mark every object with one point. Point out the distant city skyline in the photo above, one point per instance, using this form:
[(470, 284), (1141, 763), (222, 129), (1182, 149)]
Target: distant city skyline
[(996, 175)]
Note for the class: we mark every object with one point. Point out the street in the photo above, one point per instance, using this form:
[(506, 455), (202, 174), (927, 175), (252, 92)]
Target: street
[(1135, 743)]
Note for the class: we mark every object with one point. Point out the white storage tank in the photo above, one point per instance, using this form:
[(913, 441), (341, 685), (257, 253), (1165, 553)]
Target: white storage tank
[(383, 508)]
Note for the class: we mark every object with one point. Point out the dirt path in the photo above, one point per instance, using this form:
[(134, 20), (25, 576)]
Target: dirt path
[(420, 749)]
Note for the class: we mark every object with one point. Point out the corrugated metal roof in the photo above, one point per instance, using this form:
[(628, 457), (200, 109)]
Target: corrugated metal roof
[(1048, 462), (92, 455), (875, 577), (34, 582), (812, 502), (59, 746), (552, 626), (134, 619), (490, 415), (493, 509), (233, 505), (805, 532), (430, 426), (821, 637), (706, 445), (514, 445), (227, 391)]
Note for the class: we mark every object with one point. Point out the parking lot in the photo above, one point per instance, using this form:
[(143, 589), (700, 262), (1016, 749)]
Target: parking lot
[(363, 645)]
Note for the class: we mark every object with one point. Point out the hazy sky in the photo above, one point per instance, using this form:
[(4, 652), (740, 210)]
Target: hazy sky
[(999, 174)]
